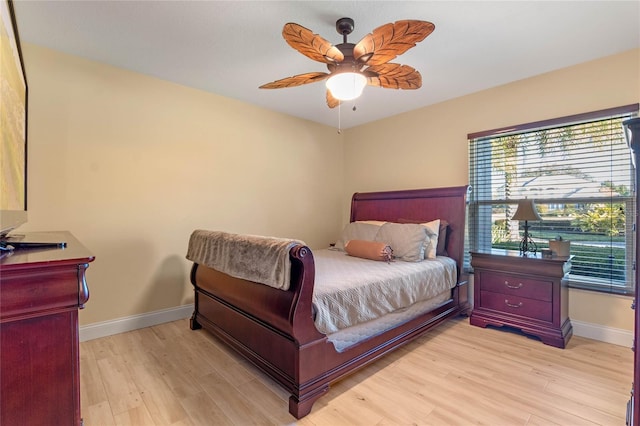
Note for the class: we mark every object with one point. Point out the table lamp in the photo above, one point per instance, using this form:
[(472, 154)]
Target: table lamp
[(526, 211)]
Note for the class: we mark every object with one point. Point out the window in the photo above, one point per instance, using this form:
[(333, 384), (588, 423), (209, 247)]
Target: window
[(578, 171)]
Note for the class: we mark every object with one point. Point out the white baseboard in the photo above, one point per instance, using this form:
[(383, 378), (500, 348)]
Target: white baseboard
[(599, 332), (603, 333), (134, 322)]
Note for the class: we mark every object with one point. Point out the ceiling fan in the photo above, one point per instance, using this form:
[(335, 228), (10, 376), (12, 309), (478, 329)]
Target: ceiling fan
[(353, 66)]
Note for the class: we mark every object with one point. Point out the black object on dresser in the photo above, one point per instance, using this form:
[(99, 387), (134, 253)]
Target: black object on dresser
[(528, 293)]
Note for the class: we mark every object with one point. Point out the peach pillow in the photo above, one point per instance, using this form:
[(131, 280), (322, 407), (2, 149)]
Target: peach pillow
[(372, 250)]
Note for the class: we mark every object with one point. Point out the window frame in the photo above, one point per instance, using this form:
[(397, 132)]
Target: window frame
[(475, 205)]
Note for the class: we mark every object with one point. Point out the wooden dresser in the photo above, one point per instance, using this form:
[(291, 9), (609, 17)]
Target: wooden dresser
[(527, 293), (41, 290)]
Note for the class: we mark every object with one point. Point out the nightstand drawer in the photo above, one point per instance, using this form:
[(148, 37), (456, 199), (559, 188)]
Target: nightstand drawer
[(515, 305), (517, 285)]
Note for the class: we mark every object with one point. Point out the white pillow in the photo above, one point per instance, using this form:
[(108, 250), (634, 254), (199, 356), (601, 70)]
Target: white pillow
[(360, 230), (431, 242), (406, 239)]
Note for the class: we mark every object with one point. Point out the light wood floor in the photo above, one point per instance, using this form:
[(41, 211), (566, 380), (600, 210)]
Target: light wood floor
[(456, 375)]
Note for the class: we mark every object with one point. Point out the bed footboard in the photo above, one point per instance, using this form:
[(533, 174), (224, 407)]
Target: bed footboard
[(272, 328)]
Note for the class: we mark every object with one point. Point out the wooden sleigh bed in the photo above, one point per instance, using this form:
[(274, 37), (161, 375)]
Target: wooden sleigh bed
[(274, 329)]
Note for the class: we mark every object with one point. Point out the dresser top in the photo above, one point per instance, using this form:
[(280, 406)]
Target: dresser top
[(73, 252)]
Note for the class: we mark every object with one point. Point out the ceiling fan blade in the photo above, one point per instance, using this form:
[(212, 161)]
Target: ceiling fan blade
[(296, 80), (394, 76), (331, 101), (390, 40), (311, 45)]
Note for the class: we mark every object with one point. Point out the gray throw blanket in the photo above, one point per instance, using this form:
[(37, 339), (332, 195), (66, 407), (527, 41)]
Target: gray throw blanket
[(255, 258)]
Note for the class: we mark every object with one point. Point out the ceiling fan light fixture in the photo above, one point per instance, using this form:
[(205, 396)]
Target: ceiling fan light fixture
[(353, 66), (346, 86)]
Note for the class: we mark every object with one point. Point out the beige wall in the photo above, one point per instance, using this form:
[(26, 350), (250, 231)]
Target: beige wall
[(428, 147), (131, 165)]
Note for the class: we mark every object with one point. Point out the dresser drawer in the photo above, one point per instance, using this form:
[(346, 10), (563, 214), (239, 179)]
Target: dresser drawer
[(515, 305), (38, 291), (516, 285)]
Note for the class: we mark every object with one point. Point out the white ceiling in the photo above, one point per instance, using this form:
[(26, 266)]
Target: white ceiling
[(232, 47)]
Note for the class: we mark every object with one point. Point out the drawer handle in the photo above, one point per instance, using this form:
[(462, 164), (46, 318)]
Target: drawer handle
[(511, 305), (514, 287)]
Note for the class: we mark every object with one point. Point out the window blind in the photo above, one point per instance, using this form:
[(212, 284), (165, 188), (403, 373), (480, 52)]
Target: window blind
[(579, 172)]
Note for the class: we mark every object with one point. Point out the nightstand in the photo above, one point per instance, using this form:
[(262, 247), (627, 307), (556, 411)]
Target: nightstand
[(525, 292)]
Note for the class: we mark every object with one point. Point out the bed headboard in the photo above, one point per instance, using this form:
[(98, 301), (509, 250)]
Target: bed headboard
[(418, 205)]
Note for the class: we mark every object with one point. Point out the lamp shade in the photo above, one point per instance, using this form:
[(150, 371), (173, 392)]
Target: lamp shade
[(346, 86), (526, 211)]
